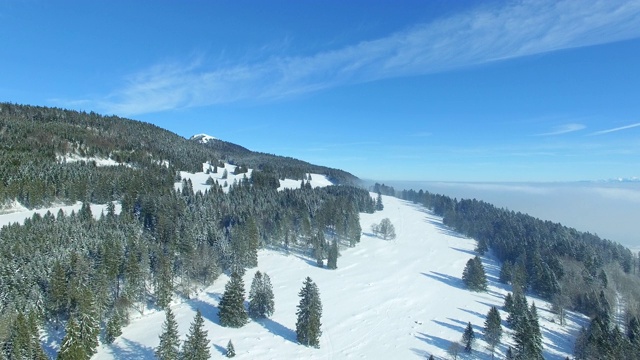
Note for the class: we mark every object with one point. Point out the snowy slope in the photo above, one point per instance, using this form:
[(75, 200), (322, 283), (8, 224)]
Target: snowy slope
[(17, 213), (203, 138), (398, 299), (199, 179)]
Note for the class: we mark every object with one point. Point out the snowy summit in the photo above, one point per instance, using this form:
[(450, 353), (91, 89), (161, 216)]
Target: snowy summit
[(203, 138)]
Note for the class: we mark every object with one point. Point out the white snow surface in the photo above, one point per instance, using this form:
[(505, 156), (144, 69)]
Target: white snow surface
[(70, 158), (203, 138), (398, 299), (16, 213), (199, 179)]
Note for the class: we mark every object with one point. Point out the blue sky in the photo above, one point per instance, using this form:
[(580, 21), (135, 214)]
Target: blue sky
[(530, 90)]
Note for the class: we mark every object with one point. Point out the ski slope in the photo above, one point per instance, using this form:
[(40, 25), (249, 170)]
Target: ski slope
[(388, 299)]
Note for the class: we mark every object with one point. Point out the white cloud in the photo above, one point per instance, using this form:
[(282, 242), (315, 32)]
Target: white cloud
[(563, 129), (480, 36), (616, 129)]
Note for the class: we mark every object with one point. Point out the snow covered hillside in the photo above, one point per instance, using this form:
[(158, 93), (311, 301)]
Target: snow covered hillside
[(388, 299), (199, 179), (16, 213)]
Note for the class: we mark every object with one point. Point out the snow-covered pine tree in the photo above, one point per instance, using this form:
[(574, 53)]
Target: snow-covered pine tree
[(113, 328), (231, 308), (309, 313), (474, 275), (379, 205), (196, 345), (169, 347), (231, 351), (332, 259), (493, 329), (261, 302), (71, 347), (468, 338)]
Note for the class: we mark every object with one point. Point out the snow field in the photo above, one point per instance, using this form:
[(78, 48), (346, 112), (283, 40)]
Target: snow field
[(199, 180), (388, 299), (17, 213)]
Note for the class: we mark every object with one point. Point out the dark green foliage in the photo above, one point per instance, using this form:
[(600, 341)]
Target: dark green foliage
[(474, 276), (196, 345), (505, 272), (231, 308), (493, 329), (309, 313), (468, 338), (379, 205), (24, 341), (81, 339), (261, 302), (527, 335), (113, 328), (231, 352), (169, 347), (332, 260)]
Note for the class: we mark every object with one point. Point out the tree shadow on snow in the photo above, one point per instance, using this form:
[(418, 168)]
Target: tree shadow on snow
[(221, 349), (464, 251), (131, 350), (209, 312), (444, 229), (456, 328), (438, 342), (446, 279), (278, 329), (478, 329)]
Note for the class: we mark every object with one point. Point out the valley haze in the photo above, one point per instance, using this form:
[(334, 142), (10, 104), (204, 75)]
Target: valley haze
[(610, 209)]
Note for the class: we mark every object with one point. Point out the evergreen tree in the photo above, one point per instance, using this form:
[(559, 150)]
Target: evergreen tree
[(71, 347), (332, 259), (493, 329), (24, 342), (379, 205), (196, 345), (505, 272), (261, 302), (474, 276), (231, 352), (113, 328), (468, 338), (309, 313), (231, 308), (169, 347)]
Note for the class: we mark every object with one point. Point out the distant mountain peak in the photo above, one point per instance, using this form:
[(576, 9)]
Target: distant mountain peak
[(203, 138)]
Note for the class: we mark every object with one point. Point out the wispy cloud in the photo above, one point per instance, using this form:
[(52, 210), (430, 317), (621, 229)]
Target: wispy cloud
[(626, 127), (475, 37), (563, 129)]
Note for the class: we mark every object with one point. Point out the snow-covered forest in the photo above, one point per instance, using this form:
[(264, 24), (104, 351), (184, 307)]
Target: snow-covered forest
[(148, 223)]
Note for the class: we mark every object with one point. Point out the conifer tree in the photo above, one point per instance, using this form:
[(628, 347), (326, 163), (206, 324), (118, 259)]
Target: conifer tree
[(468, 338), (231, 352), (474, 276), (332, 259), (24, 342), (493, 329), (196, 345), (309, 313), (113, 328), (169, 347), (71, 347), (261, 302), (231, 308), (379, 205)]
